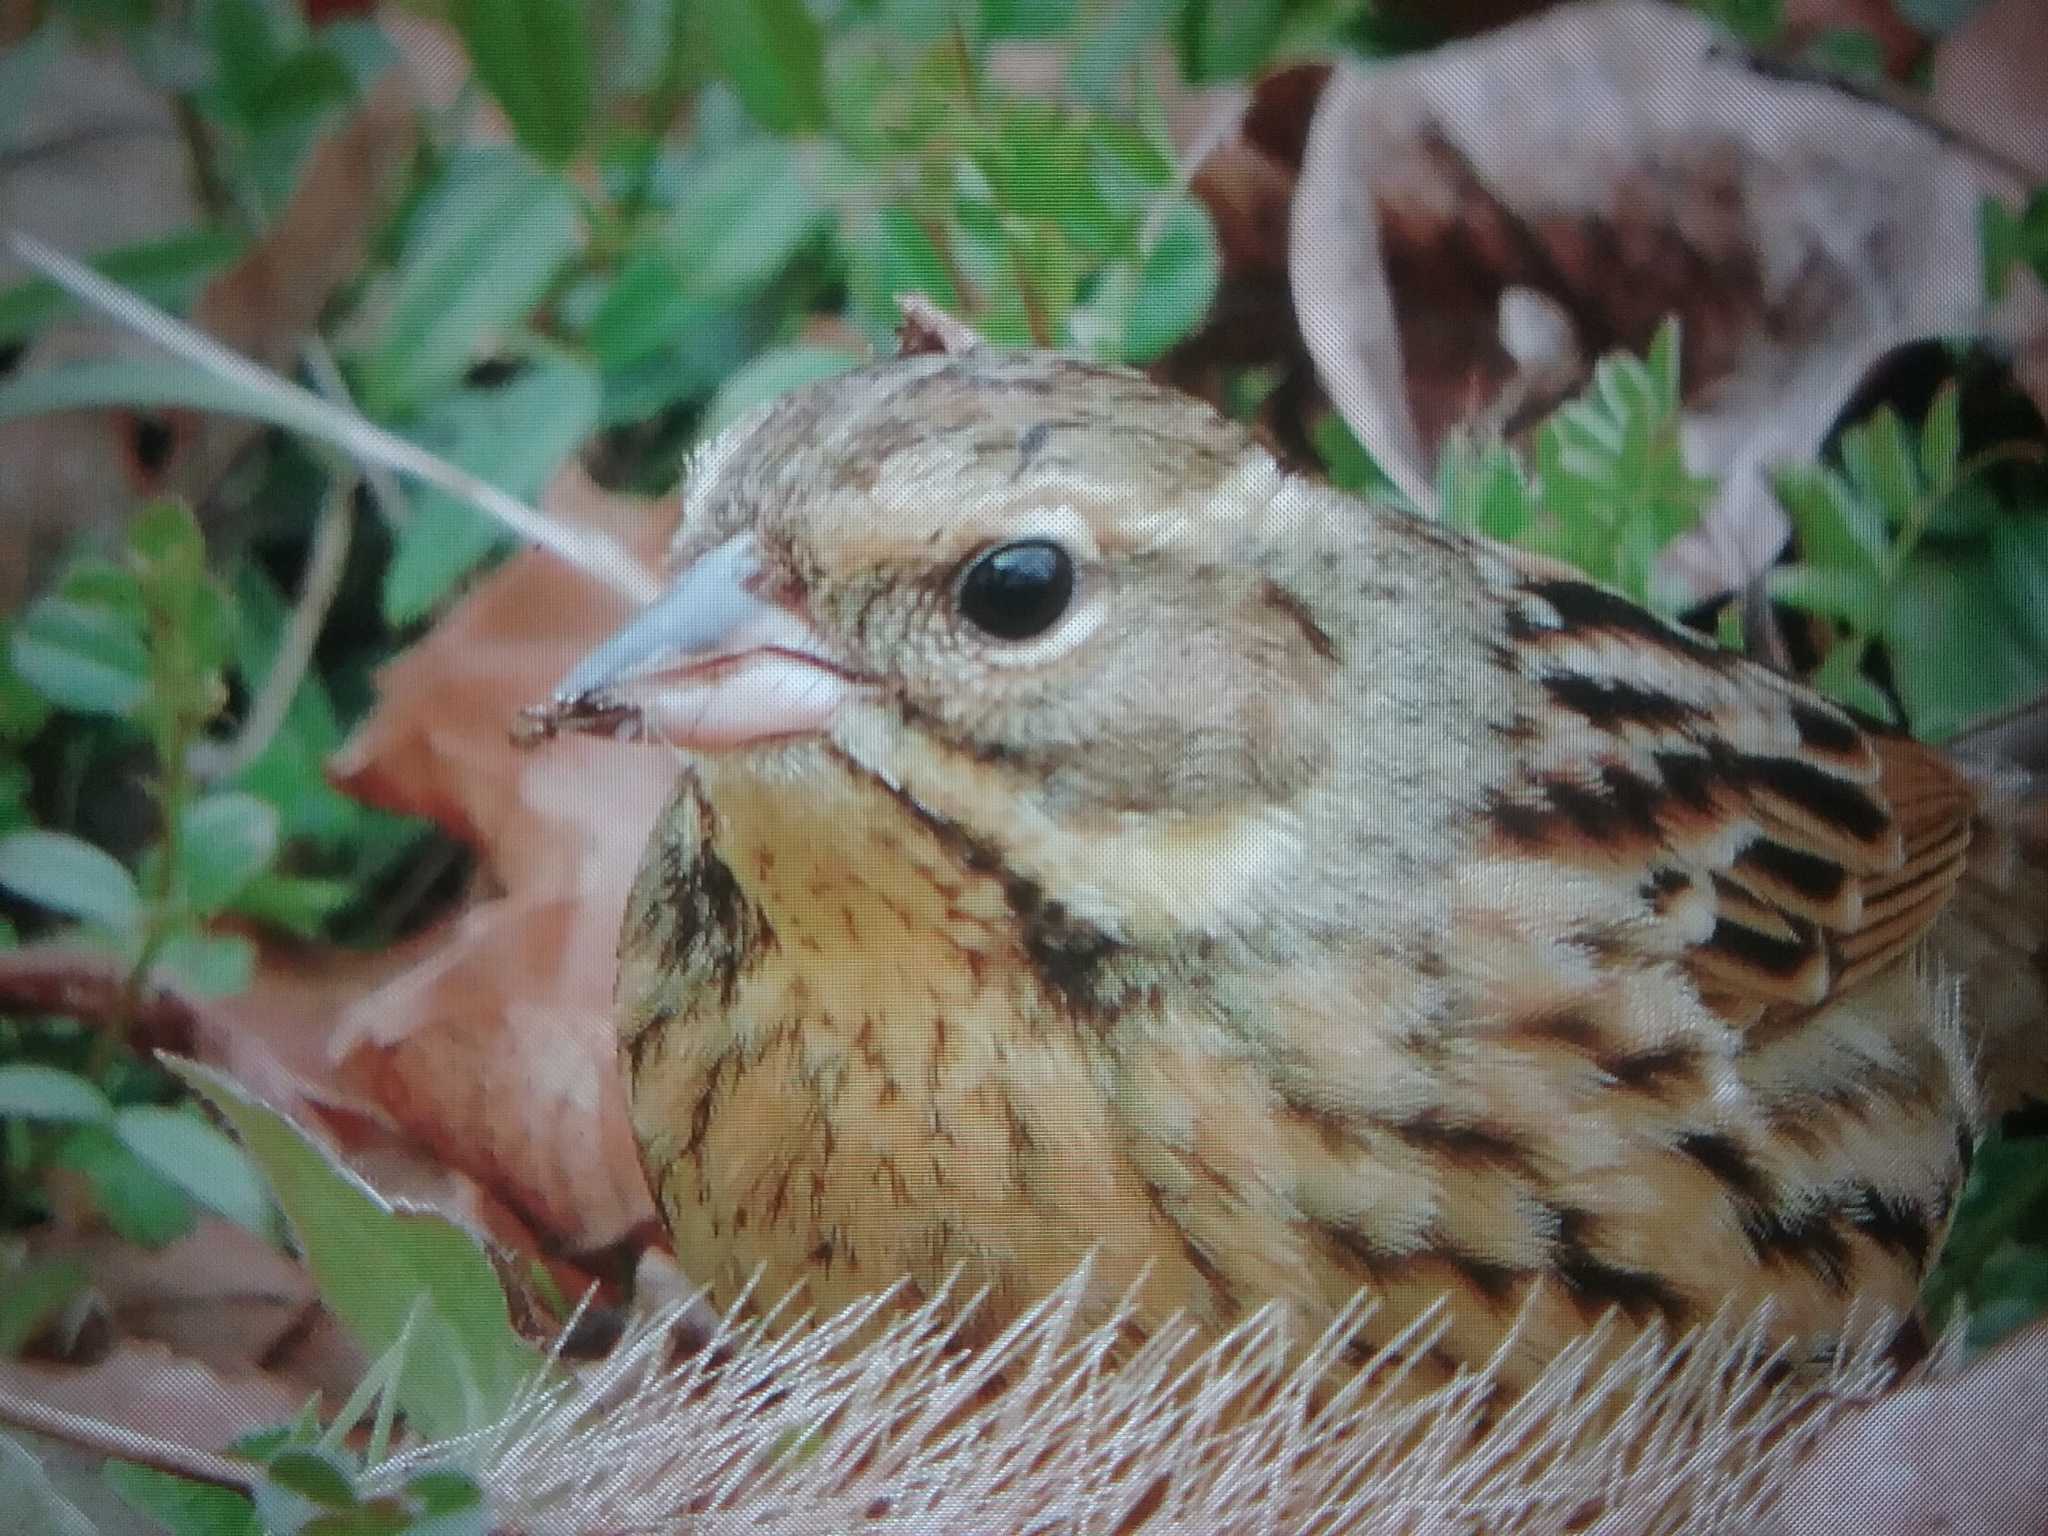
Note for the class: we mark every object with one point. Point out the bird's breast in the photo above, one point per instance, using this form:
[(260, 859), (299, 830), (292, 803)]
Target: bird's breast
[(857, 1054)]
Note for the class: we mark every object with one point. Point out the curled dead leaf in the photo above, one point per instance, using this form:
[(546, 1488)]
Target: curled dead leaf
[(1477, 226)]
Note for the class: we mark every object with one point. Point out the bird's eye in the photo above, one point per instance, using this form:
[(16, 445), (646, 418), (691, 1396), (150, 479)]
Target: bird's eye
[(1018, 591)]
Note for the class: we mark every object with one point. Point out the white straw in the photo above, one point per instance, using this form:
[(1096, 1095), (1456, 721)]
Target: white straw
[(593, 553)]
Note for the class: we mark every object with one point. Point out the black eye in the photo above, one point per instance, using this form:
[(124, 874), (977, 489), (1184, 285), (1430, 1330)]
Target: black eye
[(1018, 590)]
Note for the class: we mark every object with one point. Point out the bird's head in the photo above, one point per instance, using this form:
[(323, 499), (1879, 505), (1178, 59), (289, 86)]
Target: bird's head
[(1048, 602)]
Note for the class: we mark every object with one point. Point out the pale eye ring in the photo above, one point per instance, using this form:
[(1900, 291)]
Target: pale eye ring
[(1017, 591)]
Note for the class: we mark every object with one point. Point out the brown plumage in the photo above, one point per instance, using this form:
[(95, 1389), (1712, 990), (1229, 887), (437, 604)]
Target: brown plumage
[(1095, 838)]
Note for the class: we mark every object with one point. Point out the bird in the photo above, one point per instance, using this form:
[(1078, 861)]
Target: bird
[(1098, 842)]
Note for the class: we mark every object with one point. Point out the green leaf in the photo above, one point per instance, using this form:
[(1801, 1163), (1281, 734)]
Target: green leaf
[(1849, 52), (81, 657), (516, 435), (245, 51), (1837, 528), (1026, 18), (183, 1148), (1484, 489), (743, 214), (16, 785), (31, 1500), (1346, 460), (1663, 367), (267, 80), (894, 255), (34, 1296), (1111, 50), (534, 57), (646, 306), (302, 88), (484, 245), (207, 964), (1938, 18), (224, 841), (2002, 238), (1941, 439), (138, 1202), (1968, 512), (167, 272), (1954, 658), (101, 583), (37, 1092), (1830, 591), (1841, 677), (1176, 285), (1227, 39), (1881, 467), (166, 534), (774, 56), (322, 1479), (182, 1507), (374, 1266), (146, 383), (23, 711), (22, 67), (301, 905), (70, 875), (186, 606), (1754, 21), (770, 374), (445, 1491), (2019, 562)]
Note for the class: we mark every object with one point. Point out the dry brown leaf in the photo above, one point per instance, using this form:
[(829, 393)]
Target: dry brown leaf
[(153, 1391), (1245, 159), (1963, 1457), (1247, 181), (1991, 81), (497, 1051), (493, 1044), (219, 1296), (274, 1038), (1475, 227)]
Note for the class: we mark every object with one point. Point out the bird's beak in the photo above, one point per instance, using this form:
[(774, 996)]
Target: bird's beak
[(712, 664)]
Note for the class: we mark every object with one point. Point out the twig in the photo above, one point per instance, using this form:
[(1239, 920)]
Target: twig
[(90, 988), (594, 553), (333, 388), (213, 761), (103, 1438)]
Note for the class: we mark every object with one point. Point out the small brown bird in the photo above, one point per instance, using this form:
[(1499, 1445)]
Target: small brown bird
[(1095, 838)]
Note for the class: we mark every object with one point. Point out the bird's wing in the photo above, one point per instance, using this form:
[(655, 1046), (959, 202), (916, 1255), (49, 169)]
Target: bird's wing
[(1779, 850)]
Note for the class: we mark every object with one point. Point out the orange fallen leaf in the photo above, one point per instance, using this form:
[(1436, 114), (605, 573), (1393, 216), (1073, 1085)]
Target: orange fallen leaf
[(493, 1043)]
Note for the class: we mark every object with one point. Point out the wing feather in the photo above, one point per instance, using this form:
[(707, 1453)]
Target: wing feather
[(1828, 849)]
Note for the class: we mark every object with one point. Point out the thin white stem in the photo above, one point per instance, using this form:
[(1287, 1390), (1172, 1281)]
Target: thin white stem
[(593, 553), (213, 761), (333, 388), (124, 1444)]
